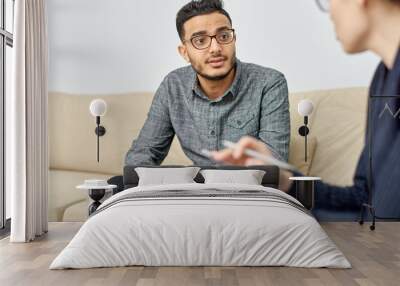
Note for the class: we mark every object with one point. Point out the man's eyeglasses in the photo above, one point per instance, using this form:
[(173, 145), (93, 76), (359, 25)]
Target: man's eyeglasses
[(323, 5), (203, 42)]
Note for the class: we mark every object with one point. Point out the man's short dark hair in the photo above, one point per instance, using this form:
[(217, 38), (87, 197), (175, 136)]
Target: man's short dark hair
[(196, 8)]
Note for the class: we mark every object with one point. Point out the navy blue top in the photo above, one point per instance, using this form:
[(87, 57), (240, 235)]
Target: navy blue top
[(384, 123)]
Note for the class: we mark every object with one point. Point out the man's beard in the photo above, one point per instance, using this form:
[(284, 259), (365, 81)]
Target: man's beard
[(217, 77)]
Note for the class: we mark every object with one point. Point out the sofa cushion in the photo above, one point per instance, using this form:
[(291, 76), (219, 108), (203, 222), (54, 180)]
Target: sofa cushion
[(76, 212), (296, 153), (338, 122), (72, 140), (63, 192)]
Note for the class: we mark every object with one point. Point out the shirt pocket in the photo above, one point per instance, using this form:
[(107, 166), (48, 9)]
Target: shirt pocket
[(241, 125), (241, 121)]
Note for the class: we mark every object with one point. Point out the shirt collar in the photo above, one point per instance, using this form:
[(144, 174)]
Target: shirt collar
[(387, 81), (233, 89), (396, 65)]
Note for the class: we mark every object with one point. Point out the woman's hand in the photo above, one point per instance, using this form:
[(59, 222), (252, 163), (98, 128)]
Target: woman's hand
[(237, 156)]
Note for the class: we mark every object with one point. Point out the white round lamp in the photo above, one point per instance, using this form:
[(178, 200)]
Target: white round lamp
[(305, 108), (98, 108)]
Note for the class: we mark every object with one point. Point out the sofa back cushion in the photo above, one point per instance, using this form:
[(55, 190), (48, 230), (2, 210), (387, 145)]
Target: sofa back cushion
[(338, 124), (297, 152), (72, 137)]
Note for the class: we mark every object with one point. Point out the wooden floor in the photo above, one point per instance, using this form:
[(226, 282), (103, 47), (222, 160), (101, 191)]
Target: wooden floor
[(375, 257)]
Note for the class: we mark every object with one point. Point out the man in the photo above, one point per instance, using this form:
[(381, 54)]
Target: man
[(216, 98)]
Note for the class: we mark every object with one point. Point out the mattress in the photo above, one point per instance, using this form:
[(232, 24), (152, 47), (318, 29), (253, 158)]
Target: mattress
[(201, 225)]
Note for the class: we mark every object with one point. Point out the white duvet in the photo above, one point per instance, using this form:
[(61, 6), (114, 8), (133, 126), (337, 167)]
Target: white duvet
[(203, 231)]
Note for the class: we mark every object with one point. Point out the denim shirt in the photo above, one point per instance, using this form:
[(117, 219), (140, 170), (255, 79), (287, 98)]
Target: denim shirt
[(256, 104)]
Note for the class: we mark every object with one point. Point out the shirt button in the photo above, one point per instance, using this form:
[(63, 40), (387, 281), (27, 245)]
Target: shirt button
[(239, 122), (212, 132)]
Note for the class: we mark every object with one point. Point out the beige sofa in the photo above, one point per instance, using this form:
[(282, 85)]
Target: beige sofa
[(336, 139)]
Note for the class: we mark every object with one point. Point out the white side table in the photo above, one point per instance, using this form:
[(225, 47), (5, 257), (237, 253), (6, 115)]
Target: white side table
[(96, 190)]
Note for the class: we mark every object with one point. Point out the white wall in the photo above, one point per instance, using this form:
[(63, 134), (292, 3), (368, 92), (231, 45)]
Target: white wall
[(100, 46)]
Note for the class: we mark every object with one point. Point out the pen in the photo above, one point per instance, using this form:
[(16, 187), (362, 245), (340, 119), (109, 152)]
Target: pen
[(256, 155)]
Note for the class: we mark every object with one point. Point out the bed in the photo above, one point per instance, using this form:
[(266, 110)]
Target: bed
[(201, 224)]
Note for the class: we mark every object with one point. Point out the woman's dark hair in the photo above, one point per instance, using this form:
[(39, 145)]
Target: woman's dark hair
[(396, 2), (196, 8)]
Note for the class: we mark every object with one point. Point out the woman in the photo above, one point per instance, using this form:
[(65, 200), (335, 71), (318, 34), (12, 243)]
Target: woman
[(361, 25)]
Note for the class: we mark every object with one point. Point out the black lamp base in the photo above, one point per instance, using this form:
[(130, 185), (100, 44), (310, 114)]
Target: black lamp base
[(96, 195), (100, 131), (304, 131)]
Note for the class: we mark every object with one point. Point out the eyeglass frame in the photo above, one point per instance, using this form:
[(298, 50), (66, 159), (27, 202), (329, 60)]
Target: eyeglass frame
[(321, 6), (211, 37)]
